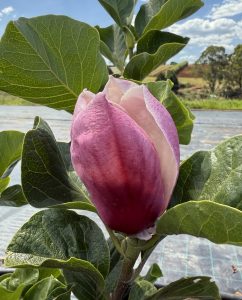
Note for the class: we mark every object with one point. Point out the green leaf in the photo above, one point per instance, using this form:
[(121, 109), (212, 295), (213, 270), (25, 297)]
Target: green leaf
[(85, 286), (154, 273), (59, 234), (218, 223), (152, 40), (181, 115), (200, 287), (214, 175), (13, 196), (159, 14), (53, 239), (13, 285), (11, 295), (62, 294), (76, 205), (22, 276), (44, 289), (66, 155), (63, 147), (120, 10), (142, 290), (50, 59), (45, 178), (113, 277), (142, 64), (4, 183), (115, 255), (47, 272), (10, 148), (114, 47)]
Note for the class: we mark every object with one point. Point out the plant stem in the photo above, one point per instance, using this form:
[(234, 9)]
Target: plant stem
[(131, 253), (124, 280), (151, 244)]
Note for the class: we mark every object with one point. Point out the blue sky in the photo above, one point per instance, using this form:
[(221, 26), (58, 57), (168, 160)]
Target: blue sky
[(219, 22)]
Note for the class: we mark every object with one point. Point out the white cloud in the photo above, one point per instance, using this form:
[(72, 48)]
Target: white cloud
[(190, 58), (7, 10), (205, 32), (227, 8)]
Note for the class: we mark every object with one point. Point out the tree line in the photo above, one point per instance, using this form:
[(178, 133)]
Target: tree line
[(222, 71)]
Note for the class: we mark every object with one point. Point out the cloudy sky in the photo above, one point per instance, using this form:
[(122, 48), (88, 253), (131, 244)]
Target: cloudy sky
[(219, 22)]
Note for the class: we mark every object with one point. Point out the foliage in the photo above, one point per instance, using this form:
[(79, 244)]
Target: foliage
[(233, 74), (49, 60), (222, 71), (215, 59), (236, 60)]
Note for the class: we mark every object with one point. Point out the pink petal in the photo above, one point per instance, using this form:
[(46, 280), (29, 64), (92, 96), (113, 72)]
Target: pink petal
[(82, 102), (152, 116), (115, 88), (119, 166)]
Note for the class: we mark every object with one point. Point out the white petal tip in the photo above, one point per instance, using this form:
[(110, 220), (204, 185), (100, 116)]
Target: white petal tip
[(145, 234)]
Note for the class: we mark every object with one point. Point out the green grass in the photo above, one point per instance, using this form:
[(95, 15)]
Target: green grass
[(219, 104)]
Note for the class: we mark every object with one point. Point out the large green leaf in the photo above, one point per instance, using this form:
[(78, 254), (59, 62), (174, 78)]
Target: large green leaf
[(214, 175), (120, 10), (114, 47), (159, 14), (62, 239), (142, 64), (218, 223), (61, 234), (45, 178), (181, 115), (13, 196), (10, 148), (199, 287), (153, 39), (50, 59)]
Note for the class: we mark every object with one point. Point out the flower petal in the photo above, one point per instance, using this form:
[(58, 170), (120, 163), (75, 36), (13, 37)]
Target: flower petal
[(115, 88), (156, 121), (82, 102), (119, 166)]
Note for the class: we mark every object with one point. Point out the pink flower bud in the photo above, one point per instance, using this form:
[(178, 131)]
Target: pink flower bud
[(125, 149)]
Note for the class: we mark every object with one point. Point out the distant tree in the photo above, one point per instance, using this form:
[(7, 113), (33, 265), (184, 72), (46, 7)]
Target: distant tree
[(212, 62), (236, 64)]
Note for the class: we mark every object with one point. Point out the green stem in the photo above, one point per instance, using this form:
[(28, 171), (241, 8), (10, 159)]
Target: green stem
[(131, 253), (149, 247), (125, 279)]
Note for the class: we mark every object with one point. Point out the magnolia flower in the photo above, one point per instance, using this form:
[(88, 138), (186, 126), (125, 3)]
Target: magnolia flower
[(125, 149)]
